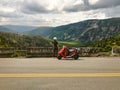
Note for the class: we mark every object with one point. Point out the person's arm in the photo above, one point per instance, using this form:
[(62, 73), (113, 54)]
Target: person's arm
[(51, 43)]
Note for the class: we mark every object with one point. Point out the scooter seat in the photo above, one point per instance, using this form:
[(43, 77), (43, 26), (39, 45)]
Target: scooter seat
[(71, 50)]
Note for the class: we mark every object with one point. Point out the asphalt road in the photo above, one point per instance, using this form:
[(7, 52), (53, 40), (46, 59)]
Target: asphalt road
[(47, 66)]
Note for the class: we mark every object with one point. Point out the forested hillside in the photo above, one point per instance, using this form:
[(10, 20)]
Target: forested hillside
[(19, 40), (107, 44)]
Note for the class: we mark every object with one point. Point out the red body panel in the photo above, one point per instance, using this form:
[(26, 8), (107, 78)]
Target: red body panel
[(65, 52)]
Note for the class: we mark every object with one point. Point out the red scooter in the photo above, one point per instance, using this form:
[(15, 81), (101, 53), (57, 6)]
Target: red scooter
[(68, 53)]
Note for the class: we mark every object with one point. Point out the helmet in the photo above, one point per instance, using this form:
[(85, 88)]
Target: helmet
[(55, 38)]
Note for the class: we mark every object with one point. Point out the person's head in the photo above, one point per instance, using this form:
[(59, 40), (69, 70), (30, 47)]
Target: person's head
[(55, 38), (63, 46)]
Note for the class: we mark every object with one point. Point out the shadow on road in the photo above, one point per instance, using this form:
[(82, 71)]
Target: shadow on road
[(70, 59)]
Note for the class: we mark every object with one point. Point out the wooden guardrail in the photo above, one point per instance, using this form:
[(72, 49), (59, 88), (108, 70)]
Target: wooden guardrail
[(115, 51), (40, 51), (6, 52), (88, 51), (46, 51)]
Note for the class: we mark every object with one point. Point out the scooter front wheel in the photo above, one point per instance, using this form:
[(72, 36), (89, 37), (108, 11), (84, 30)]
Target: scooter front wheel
[(59, 57)]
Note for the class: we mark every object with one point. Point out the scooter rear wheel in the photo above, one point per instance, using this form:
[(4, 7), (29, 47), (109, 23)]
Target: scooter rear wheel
[(76, 56)]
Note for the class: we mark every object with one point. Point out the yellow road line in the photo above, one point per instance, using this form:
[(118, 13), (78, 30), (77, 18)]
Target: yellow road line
[(62, 75)]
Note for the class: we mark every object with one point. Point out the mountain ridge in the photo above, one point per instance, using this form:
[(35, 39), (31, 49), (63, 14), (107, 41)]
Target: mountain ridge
[(87, 31), (18, 28)]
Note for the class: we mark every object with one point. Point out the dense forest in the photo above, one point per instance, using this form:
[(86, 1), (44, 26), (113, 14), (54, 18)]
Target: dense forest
[(8, 39), (107, 44)]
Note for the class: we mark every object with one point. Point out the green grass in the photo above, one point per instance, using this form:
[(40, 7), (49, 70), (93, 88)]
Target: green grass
[(69, 44)]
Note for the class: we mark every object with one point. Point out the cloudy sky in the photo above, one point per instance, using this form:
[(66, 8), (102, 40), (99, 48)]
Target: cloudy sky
[(55, 12)]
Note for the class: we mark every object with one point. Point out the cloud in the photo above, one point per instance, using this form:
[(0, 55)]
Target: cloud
[(93, 1), (106, 4), (36, 6), (10, 9), (92, 5), (32, 7), (9, 12), (10, 15), (56, 12), (112, 12), (48, 6), (60, 6)]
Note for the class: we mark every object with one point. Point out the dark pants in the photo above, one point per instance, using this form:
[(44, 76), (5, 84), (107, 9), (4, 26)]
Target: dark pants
[(55, 51)]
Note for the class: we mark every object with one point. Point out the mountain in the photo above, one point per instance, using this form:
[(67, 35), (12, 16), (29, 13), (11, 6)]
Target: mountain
[(88, 31), (8, 39), (19, 28), (85, 32), (4, 29), (41, 31)]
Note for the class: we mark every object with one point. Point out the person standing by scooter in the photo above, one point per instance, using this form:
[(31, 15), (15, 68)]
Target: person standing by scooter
[(55, 46)]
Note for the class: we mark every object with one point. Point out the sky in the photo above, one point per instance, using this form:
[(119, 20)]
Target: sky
[(55, 12)]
